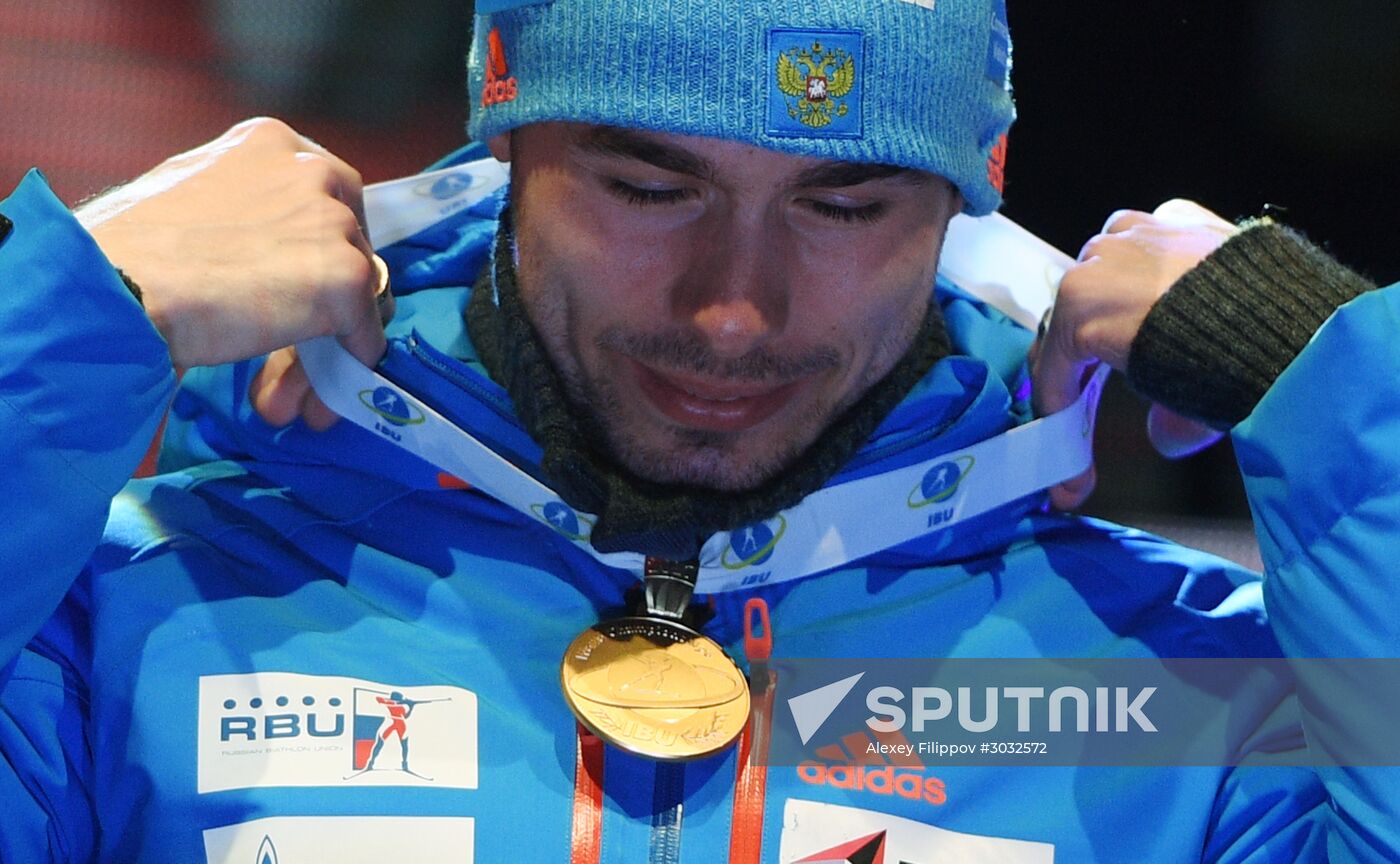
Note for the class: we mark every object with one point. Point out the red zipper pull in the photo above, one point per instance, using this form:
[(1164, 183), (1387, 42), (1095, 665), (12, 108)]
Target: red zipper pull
[(758, 631)]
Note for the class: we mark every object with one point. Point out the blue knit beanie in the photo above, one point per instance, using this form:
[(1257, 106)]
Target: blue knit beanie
[(915, 83)]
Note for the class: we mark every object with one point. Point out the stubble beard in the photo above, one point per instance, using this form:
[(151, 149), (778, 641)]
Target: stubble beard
[(691, 457), (700, 458), (705, 459)]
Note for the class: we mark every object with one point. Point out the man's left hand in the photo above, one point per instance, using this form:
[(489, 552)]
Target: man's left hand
[(1102, 303)]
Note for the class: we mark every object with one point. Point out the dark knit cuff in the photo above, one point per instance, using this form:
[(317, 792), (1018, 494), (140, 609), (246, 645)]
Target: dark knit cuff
[(1213, 344)]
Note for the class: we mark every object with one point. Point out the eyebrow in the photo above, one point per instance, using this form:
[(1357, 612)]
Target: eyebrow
[(616, 143), (835, 175)]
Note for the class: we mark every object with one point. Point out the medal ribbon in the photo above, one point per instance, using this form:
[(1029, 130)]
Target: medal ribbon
[(586, 842), (827, 529), (830, 527)]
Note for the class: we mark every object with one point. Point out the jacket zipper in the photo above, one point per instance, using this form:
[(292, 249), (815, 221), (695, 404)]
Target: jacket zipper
[(667, 808), (462, 381), (751, 771)]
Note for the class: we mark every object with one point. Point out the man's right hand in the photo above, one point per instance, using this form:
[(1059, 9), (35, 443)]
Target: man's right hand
[(244, 246)]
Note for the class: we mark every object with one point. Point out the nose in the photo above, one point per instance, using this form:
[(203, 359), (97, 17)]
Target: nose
[(732, 327), (735, 296)]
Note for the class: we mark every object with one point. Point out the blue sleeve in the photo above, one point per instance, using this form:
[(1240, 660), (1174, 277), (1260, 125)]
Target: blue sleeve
[(1321, 459), (84, 379)]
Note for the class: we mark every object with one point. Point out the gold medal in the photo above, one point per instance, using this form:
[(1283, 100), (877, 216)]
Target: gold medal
[(656, 688)]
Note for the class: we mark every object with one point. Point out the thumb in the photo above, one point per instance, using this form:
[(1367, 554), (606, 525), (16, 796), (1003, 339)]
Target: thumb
[(1058, 377), (1073, 492), (1057, 374)]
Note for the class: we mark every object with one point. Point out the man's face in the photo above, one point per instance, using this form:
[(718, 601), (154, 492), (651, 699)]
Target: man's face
[(711, 305)]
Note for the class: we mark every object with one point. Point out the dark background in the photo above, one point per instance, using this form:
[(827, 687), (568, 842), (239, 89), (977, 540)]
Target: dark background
[(1287, 103)]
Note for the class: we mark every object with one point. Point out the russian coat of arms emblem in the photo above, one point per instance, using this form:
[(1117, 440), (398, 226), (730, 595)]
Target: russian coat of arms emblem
[(815, 82)]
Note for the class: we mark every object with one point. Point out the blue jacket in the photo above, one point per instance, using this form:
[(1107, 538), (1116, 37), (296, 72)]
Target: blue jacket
[(301, 646)]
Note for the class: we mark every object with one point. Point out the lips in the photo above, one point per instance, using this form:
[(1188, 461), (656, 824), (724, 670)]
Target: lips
[(713, 405)]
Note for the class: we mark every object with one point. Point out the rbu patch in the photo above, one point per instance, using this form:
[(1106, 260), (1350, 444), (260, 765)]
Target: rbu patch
[(283, 729), (816, 83)]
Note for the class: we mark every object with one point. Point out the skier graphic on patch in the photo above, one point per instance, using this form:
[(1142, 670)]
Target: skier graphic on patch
[(380, 716), (395, 724)]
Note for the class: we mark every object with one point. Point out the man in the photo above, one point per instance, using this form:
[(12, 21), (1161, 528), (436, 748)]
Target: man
[(708, 302)]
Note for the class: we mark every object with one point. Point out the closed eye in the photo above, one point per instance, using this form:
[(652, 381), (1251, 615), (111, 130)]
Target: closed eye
[(643, 197), (865, 213)]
